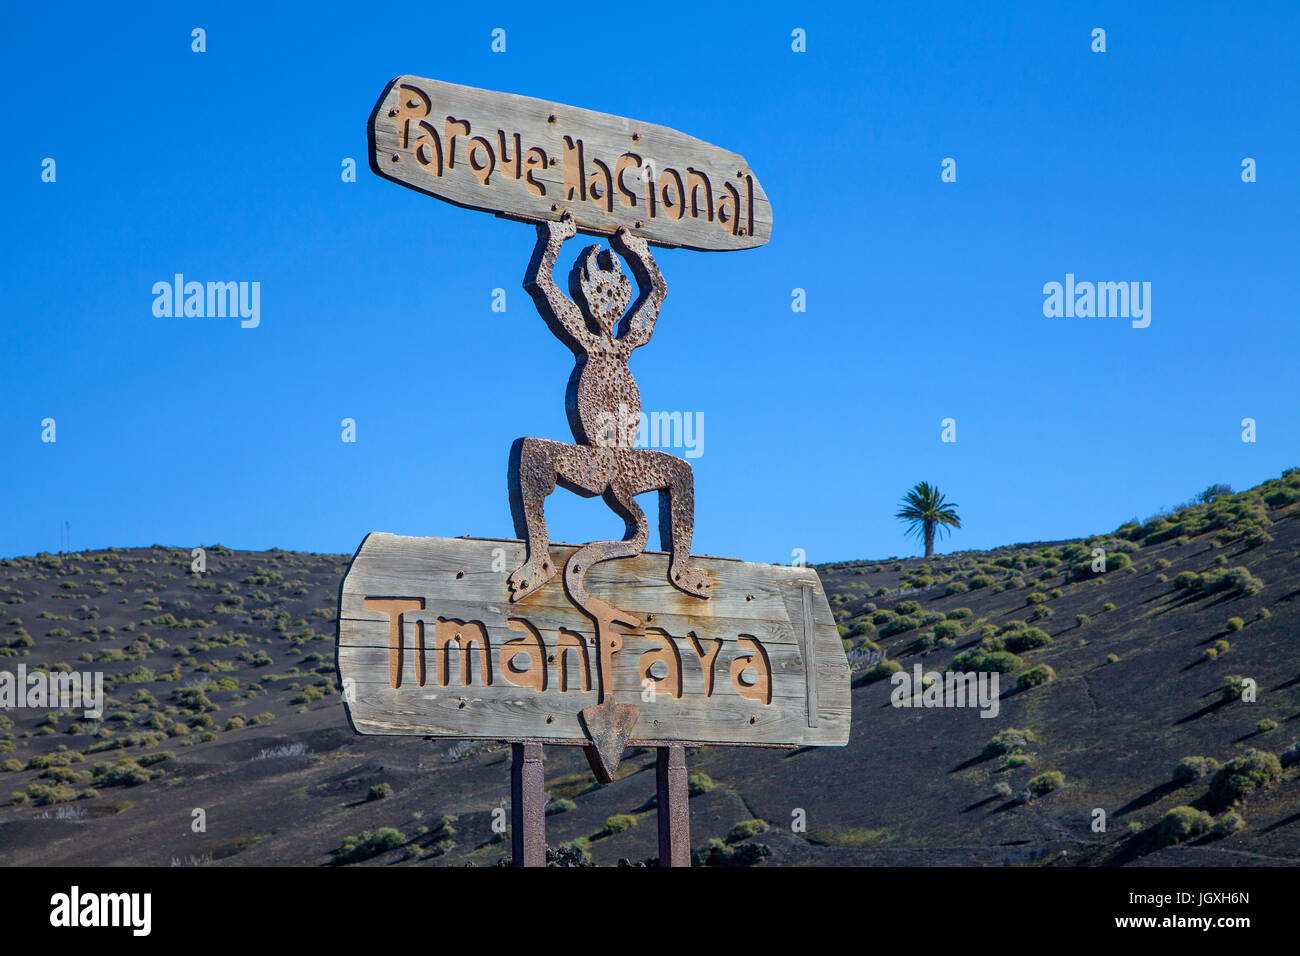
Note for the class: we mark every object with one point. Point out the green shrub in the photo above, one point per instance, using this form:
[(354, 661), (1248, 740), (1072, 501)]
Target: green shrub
[(979, 659), (1228, 824), (1117, 561), (908, 607), (1282, 497), (746, 829), (1194, 768), (1035, 597), (980, 581), (1009, 741), (1027, 640), (1081, 620), (898, 625), (1233, 687), (1035, 676), (368, 843), (1180, 823), (193, 698), (379, 791), (1265, 725), (445, 829), (45, 794), (560, 805), (1045, 783), (950, 629), (1108, 606), (1235, 624), (716, 853), (1242, 776), (1238, 579), (883, 669), (123, 773), (860, 628), (698, 783), (618, 823), (1242, 580), (993, 642), (959, 614)]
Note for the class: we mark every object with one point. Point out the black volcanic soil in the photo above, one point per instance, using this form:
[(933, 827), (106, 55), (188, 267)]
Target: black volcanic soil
[(224, 701)]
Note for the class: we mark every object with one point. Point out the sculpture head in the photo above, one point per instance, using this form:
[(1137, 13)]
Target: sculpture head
[(600, 288)]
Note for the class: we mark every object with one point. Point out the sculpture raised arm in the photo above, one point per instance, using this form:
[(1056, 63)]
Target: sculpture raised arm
[(639, 324), (559, 311)]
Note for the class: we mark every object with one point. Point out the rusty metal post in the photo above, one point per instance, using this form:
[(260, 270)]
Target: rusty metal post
[(674, 807), (527, 802)]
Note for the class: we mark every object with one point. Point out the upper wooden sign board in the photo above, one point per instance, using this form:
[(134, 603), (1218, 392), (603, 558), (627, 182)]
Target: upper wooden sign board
[(430, 644), (528, 159)]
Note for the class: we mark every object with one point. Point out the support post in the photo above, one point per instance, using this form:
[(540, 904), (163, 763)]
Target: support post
[(674, 808), (527, 799)]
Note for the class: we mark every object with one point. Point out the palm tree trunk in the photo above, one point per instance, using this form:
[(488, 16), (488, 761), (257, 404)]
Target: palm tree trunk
[(929, 539)]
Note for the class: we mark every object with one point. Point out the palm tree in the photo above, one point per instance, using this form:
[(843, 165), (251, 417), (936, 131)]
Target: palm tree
[(925, 510)]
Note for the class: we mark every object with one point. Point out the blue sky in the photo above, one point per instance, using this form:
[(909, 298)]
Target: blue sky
[(924, 298)]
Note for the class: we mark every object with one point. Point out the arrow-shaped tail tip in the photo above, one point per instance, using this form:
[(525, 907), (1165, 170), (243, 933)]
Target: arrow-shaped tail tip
[(608, 725)]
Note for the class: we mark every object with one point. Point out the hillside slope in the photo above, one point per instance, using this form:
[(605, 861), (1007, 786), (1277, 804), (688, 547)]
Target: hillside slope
[(223, 706)]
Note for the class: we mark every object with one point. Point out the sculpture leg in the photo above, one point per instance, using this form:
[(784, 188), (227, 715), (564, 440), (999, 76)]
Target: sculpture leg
[(672, 478), (580, 562), (537, 465), (532, 479)]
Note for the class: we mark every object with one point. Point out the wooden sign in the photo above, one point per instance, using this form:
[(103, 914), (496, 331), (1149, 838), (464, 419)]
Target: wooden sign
[(430, 644), (530, 159)]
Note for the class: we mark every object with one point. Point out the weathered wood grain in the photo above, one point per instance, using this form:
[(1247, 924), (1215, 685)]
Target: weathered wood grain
[(808, 648), (531, 159), (730, 669)]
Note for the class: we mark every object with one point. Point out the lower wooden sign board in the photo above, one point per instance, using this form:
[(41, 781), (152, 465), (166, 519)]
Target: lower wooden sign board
[(430, 644)]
